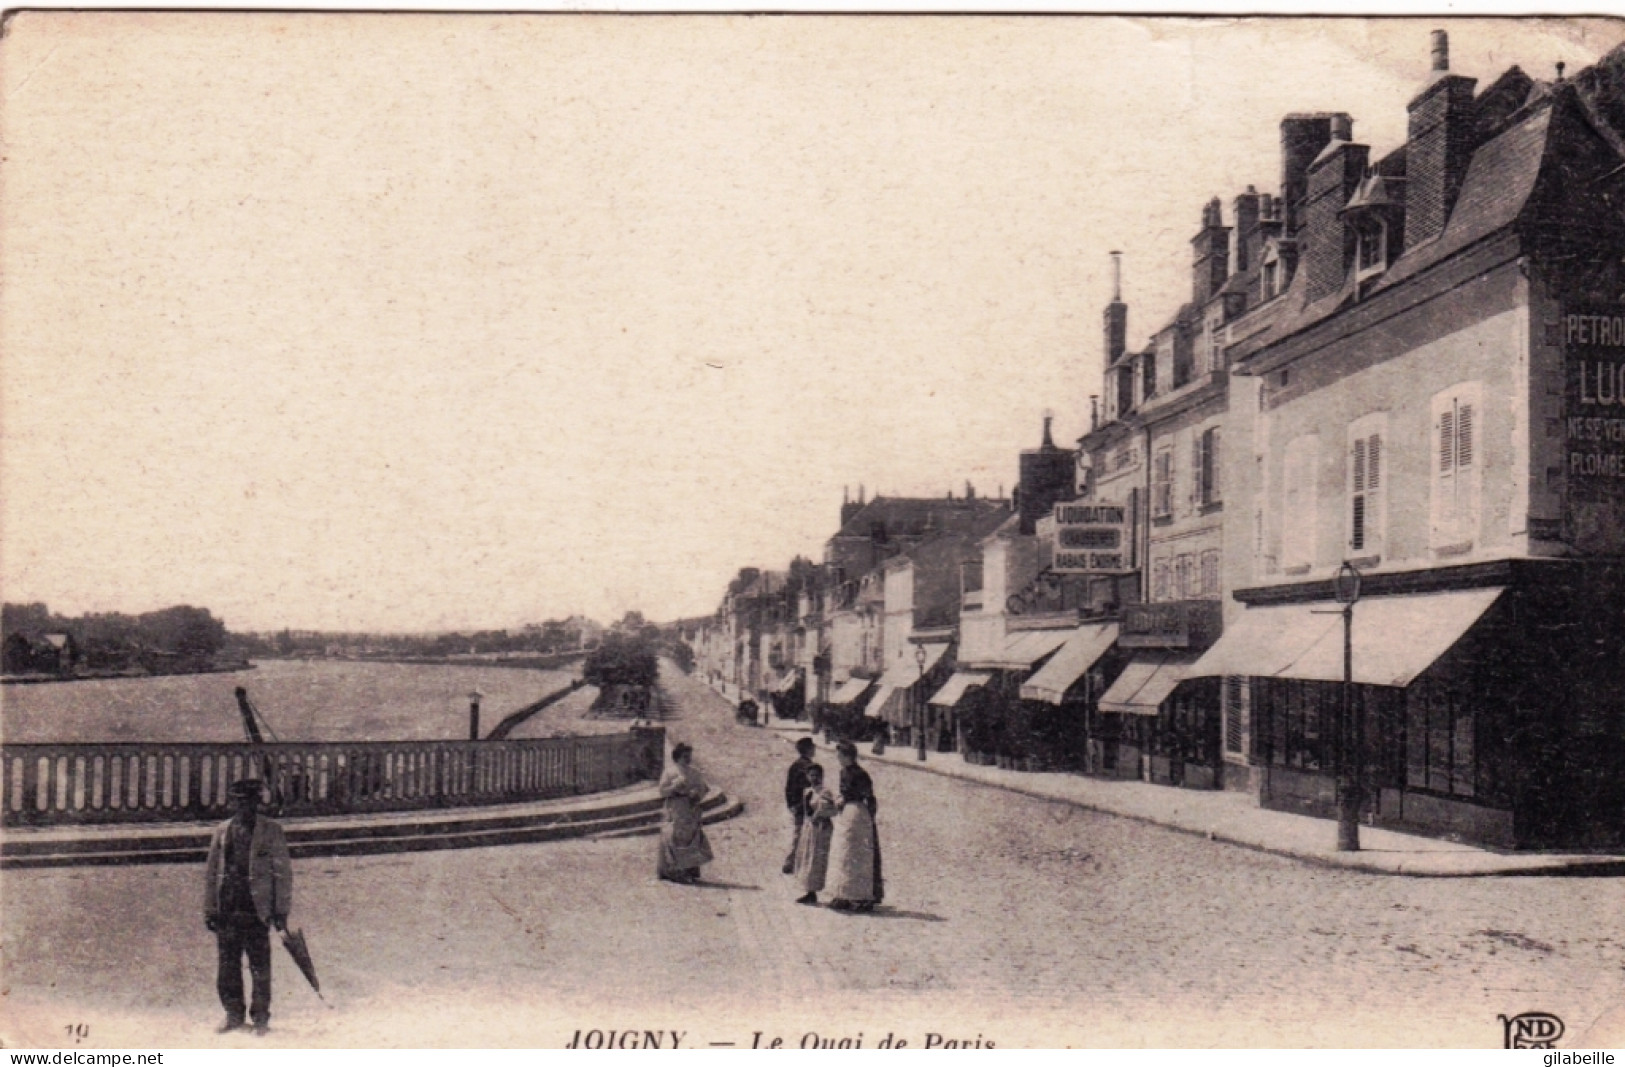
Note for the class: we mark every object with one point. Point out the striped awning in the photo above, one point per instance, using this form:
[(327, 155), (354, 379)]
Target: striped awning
[(1394, 638), (1024, 648), (849, 690), (1146, 682), (1081, 651), (908, 672), (953, 691)]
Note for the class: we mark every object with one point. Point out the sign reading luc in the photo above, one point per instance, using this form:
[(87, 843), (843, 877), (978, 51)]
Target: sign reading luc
[(1090, 539), (1594, 347)]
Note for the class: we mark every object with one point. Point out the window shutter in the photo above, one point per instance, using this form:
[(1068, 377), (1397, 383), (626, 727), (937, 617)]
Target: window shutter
[(1373, 462), (1359, 465), (1214, 489), (1357, 533), (1447, 441), (1198, 494), (1464, 436)]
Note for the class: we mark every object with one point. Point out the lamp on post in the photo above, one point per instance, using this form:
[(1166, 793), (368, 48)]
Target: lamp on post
[(474, 714), (919, 705), (1350, 767)]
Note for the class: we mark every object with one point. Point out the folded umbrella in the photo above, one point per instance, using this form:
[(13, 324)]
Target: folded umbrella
[(294, 942)]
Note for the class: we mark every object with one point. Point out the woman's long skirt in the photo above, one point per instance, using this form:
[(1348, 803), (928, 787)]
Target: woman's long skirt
[(854, 857), (812, 855), (683, 846)]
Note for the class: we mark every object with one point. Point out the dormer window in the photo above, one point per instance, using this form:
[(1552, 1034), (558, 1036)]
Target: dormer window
[(1272, 279), (1372, 237)]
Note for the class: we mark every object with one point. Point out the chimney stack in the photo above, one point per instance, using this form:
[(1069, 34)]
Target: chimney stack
[(1116, 318), (1247, 243), (1211, 248), (1303, 136), (1327, 241), (1439, 146)]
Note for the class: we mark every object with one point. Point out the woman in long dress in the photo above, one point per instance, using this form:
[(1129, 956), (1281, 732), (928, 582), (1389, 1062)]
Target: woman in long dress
[(683, 847), (855, 880), (817, 827)]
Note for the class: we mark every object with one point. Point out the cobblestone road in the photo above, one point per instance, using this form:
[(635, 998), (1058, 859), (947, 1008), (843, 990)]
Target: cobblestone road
[(1010, 918)]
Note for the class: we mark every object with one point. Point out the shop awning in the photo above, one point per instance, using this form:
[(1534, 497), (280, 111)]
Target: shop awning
[(1086, 645), (953, 691), (1146, 682), (1024, 648), (907, 673), (1395, 638), (877, 703), (849, 690)]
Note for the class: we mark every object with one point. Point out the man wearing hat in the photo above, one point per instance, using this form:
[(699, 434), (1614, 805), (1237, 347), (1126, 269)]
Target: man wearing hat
[(248, 888)]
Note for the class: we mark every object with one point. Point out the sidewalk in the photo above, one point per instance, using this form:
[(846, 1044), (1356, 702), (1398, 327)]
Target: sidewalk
[(629, 810), (1236, 819)]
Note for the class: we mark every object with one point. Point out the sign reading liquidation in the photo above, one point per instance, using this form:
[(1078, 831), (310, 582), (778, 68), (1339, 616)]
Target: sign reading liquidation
[(1090, 539), (1594, 345)]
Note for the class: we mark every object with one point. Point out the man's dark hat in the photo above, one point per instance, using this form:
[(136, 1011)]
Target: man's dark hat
[(806, 744), (247, 787)]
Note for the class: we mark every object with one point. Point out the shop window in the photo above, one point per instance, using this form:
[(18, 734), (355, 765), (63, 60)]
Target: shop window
[(1456, 466), (1440, 750), (1299, 503), (1293, 721), (1162, 484), (1367, 486)]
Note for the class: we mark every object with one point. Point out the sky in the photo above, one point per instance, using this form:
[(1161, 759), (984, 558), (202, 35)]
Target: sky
[(368, 322)]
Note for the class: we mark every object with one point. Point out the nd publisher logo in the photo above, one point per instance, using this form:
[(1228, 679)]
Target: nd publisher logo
[(1532, 1029)]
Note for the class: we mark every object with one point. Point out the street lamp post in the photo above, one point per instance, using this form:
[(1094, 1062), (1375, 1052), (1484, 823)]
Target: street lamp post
[(919, 705), (474, 715), (1350, 779)]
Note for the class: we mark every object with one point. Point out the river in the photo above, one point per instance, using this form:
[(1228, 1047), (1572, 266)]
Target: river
[(301, 700)]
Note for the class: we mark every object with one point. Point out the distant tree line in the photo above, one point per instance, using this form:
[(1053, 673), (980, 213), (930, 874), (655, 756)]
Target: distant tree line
[(173, 640), (552, 637)]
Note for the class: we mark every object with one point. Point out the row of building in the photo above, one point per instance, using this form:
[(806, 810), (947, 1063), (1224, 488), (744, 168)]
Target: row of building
[(1398, 383)]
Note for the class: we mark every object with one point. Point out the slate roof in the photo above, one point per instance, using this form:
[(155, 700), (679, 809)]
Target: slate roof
[(1500, 180), (918, 516)]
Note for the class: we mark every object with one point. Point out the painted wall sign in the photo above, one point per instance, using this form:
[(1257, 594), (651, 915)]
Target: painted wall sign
[(1594, 350), (1090, 539)]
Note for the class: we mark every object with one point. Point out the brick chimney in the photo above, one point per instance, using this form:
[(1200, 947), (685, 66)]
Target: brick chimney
[(1302, 138), (1439, 146), (1211, 254), (1046, 479), (1326, 240), (1248, 244), (1116, 319)]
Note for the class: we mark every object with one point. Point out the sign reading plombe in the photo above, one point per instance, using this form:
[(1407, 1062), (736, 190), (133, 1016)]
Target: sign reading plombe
[(1091, 539), (1594, 346)]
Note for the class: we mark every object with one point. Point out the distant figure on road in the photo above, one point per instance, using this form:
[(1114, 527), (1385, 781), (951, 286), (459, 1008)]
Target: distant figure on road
[(818, 808), (248, 888), (854, 855), (795, 788), (683, 847)]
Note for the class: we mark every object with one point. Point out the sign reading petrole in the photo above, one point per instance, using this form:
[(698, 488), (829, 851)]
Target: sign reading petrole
[(1595, 349), (1091, 539)]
